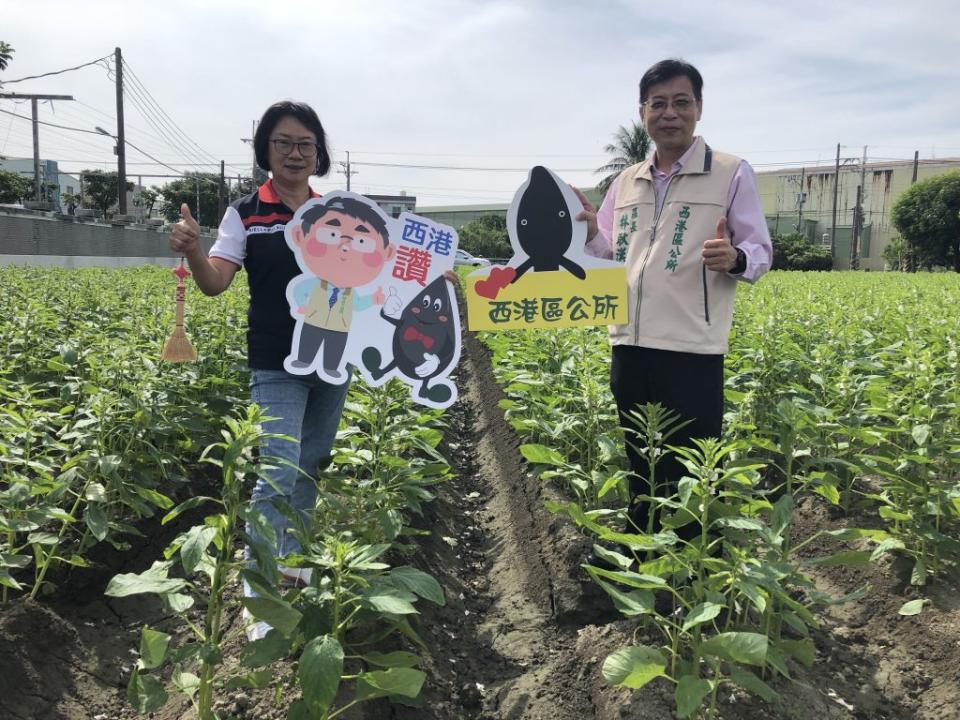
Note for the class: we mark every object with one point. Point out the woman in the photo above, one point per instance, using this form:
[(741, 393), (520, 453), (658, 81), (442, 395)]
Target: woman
[(291, 143)]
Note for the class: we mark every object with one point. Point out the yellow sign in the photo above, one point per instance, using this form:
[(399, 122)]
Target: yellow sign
[(546, 299)]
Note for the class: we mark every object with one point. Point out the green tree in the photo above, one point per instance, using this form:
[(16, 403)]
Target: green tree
[(895, 254), (794, 252), (6, 54), (100, 189), (185, 190), (148, 198), (486, 237), (69, 202), (14, 187), (927, 215), (631, 146)]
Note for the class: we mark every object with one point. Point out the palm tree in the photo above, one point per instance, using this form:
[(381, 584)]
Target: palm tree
[(630, 147), (6, 53)]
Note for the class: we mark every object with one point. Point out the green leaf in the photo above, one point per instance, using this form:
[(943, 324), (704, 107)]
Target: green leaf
[(632, 603), (390, 600), (320, 669), (803, 650), (275, 612), (405, 682), (918, 576), (829, 492), (629, 578), (96, 521), (257, 680), (186, 682), (889, 513), (145, 692), (153, 648), (751, 683), (913, 607), (704, 612), (398, 658), (633, 667), (921, 433), (419, 583), (154, 497), (614, 558), (95, 492), (741, 647), (740, 523), (194, 547), (543, 455), (690, 692), (132, 584), (187, 505), (274, 646)]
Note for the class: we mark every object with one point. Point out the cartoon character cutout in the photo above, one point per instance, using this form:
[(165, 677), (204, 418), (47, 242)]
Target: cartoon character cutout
[(342, 244), (424, 342), (541, 224)]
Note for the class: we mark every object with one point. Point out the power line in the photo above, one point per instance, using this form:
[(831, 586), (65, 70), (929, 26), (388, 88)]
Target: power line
[(142, 87), (56, 72)]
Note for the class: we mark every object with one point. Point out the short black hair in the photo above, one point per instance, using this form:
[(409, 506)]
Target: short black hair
[(306, 115), (347, 206), (667, 70)]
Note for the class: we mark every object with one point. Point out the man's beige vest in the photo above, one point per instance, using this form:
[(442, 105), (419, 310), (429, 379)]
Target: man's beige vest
[(675, 302), (320, 314)]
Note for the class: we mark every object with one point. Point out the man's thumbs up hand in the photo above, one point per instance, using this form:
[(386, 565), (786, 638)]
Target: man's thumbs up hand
[(719, 254)]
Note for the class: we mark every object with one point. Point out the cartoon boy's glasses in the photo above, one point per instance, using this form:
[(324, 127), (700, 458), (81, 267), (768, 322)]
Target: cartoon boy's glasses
[(285, 147), (360, 243)]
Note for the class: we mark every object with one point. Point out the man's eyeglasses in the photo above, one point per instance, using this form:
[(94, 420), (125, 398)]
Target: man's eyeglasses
[(659, 105), (285, 147)]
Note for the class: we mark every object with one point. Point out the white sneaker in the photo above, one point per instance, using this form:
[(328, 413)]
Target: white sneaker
[(296, 577), (255, 629)]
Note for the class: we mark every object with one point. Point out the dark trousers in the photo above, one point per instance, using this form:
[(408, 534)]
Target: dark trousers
[(687, 383), (334, 343)]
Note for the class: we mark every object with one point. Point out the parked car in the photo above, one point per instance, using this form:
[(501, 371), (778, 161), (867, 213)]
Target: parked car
[(464, 258)]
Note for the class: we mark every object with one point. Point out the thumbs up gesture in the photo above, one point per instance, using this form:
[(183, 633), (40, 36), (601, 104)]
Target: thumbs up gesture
[(719, 254), (185, 236), (392, 305)]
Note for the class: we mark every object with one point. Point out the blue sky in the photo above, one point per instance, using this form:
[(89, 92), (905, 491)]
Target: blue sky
[(488, 84)]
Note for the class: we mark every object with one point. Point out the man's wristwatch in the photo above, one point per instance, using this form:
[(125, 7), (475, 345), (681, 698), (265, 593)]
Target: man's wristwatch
[(740, 266)]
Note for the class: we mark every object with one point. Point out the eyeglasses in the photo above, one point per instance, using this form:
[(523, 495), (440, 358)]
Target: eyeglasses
[(360, 243), (285, 147), (659, 105)]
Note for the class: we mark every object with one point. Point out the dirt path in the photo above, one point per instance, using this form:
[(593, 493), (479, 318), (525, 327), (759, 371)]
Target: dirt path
[(503, 646)]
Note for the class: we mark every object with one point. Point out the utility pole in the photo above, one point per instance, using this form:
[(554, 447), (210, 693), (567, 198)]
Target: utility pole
[(857, 222), (121, 142), (346, 170), (220, 192), (38, 188), (916, 163), (910, 267), (801, 196), (858, 213), (836, 188)]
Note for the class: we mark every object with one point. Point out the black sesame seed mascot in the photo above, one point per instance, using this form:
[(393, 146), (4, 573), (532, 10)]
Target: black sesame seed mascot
[(424, 341), (543, 226)]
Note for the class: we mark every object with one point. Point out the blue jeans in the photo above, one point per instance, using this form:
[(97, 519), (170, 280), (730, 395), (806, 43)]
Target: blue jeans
[(307, 409)]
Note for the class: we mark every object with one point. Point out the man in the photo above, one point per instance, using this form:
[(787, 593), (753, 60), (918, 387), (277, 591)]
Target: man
[(689, 226), (341, 245)]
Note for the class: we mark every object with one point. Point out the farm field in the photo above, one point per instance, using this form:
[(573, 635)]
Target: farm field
[(835, 492)]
